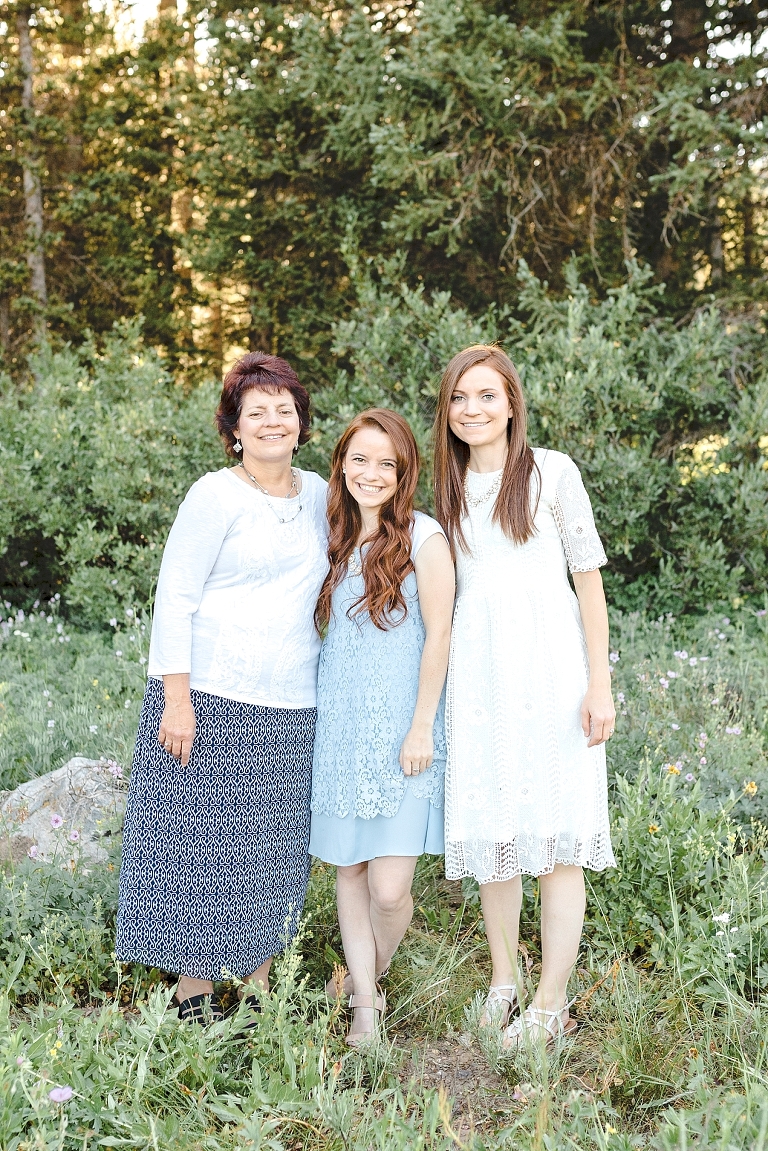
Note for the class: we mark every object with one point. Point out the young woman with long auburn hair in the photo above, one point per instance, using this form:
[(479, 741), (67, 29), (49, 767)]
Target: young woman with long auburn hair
[(377, 783), (529, 704)]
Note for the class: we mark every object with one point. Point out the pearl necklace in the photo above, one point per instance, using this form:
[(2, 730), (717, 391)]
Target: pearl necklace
[(475, 501), (264, 492)]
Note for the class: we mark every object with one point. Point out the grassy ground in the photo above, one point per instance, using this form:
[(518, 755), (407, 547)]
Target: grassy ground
[(671, 982)]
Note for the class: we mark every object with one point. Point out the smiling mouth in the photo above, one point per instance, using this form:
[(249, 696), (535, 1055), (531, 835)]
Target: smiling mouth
[(483, 424), (369, 491), (274, 436)]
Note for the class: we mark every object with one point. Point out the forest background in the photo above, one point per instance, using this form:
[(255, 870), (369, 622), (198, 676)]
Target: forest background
[(365, 189)]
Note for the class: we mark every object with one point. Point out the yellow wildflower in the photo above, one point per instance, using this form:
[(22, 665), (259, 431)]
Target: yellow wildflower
[(673, 769), (653, 828), (750, 788)]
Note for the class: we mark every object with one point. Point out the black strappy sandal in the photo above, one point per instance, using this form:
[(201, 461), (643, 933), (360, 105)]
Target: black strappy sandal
[(253, 1003), (203, 1009)]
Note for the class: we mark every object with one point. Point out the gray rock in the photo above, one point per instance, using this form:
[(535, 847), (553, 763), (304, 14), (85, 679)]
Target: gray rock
[(62, 816)]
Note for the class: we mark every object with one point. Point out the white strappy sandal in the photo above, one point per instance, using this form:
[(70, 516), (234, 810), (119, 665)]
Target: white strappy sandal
[(499, 1005), (536, 1024)]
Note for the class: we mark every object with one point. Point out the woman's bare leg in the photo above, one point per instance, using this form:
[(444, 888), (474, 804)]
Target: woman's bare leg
[(501, 903), (563, 902), (389, 883), (260, 977), (188, 986), (375, 907), (353, 902)]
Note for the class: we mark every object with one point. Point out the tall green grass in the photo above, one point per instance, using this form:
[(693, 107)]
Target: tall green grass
[(670, 985)]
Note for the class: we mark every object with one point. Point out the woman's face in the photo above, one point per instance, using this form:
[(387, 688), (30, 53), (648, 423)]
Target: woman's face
[(269, 425), (479, 409), (370, 468)]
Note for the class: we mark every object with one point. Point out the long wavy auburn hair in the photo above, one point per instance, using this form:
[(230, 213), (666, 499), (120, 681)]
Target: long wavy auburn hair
[(386, 560), (512, 511)]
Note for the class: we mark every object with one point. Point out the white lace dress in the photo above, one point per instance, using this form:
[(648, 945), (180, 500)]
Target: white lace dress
[(523, 790)]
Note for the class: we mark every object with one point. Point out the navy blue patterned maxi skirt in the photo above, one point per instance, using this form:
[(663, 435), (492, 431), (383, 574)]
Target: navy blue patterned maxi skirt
[(215, 860)]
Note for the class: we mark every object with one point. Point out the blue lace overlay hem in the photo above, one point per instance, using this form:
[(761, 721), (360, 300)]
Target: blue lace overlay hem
[(368, 682)]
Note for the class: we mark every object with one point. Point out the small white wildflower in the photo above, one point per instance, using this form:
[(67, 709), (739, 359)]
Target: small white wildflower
[(113, 622), (614, 657), (93, 728), (118, 654), (724, 917), (51, 722)]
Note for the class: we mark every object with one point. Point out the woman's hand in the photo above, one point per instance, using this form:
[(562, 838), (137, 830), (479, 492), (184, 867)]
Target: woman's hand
[(417, 750), (598, 715), (177, 726)]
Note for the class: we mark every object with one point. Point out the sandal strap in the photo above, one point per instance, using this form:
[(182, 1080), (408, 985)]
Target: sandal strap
[(200, 1009), (552, 1022), (495, 994), (375, 1002)]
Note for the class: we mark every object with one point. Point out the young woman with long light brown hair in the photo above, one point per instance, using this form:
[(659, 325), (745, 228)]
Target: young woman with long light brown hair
[(377, 783), (529, 695)]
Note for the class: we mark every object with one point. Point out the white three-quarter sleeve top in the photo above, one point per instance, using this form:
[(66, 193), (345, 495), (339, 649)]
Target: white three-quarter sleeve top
[(237, 591)]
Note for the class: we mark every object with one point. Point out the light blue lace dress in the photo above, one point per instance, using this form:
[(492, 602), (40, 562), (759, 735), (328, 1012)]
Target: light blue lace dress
[(363, 806)]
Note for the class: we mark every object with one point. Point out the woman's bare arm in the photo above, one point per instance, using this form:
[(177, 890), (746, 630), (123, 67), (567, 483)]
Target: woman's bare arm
[(177, 726), (436, 581), (598, 714)]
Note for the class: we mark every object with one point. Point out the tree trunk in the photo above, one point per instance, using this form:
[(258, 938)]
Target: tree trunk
[(715, 243), (33, 192)]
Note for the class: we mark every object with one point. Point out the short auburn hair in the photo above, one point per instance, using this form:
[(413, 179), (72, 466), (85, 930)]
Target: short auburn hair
[(269, 374)]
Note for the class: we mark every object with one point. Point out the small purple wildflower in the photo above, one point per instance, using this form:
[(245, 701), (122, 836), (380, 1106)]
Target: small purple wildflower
[(620, 696), (689, 777), (614, 657), (60, 1094), (32, 853), (56, 821), (74, 835), (703, 761)]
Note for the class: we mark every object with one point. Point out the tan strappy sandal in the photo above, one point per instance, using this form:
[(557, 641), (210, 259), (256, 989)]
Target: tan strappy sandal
[(536, 1024), (348, 986), (377, 1003), (499, 1005)]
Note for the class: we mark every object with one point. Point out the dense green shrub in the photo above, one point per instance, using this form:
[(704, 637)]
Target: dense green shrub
[(667, 422)]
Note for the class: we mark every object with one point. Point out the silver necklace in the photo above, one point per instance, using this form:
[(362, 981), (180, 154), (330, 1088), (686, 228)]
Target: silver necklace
[(476, 501), (264, 492)]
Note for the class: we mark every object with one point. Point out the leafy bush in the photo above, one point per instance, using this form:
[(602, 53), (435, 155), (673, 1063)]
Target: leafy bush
[(668, 424), (670, 986)]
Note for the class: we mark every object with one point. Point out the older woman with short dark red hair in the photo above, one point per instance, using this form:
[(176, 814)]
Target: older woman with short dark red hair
[(215, 860)]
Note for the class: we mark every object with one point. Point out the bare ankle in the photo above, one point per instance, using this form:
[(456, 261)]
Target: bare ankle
[(189, 987)]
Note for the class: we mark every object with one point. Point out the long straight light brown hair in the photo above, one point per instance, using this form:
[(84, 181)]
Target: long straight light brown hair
[(513, 510), (386, 560)]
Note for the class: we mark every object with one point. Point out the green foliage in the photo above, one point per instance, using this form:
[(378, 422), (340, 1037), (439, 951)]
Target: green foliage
[(666, 421), (670, 987), (666, 431), (202, 175)]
